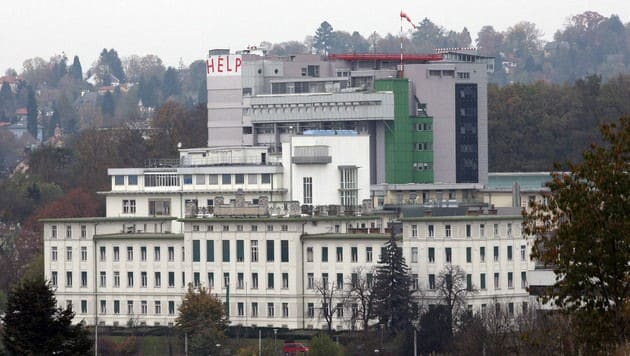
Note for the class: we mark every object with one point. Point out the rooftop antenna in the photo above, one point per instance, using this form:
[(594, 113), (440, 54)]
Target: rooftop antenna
[(403, 15)]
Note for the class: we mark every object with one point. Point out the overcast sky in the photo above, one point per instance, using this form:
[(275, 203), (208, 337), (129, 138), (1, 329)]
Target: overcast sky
[(186, 29)]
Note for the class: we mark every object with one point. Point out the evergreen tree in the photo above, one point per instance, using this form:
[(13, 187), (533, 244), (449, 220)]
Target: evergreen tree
[(31, 106), (393, 299), (33, 325), (7, 102), (111, 60), (76, 71), (170, 84), (107, 105), (324, 38)]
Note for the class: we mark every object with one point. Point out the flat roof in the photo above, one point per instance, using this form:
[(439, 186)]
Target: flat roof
[(140, 236), (278, 219), (347, 236), (108, 219)]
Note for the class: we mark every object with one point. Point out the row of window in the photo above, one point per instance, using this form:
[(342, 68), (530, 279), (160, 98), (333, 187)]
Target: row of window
[(239, 227), (131, 307), (130, 281), (448, 254), (449, 230), (325, 283), (54, 233), (199, 179), (157, 253), (469, 283), (339, 254), (254, 248), (254, 281)]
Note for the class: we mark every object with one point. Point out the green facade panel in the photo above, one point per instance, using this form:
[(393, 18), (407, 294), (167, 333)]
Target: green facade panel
[(408, 140)]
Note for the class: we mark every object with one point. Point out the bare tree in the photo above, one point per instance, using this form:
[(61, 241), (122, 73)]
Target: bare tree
[(453, 289), (361, 297), (329, 293)]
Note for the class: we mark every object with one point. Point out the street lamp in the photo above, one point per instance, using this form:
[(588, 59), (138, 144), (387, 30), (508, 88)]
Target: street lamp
[(275, 347)]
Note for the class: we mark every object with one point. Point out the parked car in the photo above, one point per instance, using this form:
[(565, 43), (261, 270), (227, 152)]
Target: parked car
[(293, 348)]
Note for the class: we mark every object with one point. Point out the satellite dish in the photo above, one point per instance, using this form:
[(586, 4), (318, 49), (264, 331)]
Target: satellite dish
[(179, 145)]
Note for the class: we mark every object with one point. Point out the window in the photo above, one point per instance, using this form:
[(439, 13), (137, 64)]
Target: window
[(143, 307), (239, 179), (129, 206), (468, 230), (68, 253), (324, 254), (143, 279), (116, 253), (496, 253), (84, 279), (348, 186), (254, 250), (310, 281), (339, 281), (432, 281), (509, 229), (285, 281), (509, 253), (130, 307), (226, 227), (310, 310), (211, 279), (171, 253), (53, 253), (339, 254), (129, 253), (482, 281), (325, 280), (226, 250), (285, 310), (354, 254), (414, 230), (158, 307), (240, 309), (339, 311), (510, 276), (482, 254), (132, 180), (431, 231), (468, 254), (157, 278), (254, 280), (254, 310), (431, 255), (307, 183), (265, 178), (270, 254), (200, 179), (84, 308), (511, 309), (309, 254), (524, 280), (171, 279), (523, 256), (119, 180), (368, 254), (240, 250), (447, 230), (130, 279), (496, 281), (448, 255), (116, 279), (83, 231), (284, 251), (269, 227), (159, 207), (270, 284), (496, 230), (103, 304), (69, 279), (68, 232), (252, 179), (414, 255), (156, 253), (226, 179), (54, 279), (143, 253), (369, 278), (270, 310), (469, 285), (482, 230), (84, 253), (240, 280), (226, 279), (414, 282), (284, 227), (103, 279), (213, 179), (424, 146)]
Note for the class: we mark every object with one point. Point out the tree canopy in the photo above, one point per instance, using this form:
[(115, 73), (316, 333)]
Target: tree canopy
[(34, 325), (582, 231)]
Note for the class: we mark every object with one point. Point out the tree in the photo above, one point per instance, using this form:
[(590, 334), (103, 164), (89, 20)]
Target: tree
[(583, 232), (76, 71), (330, 294), (111, 60), (323, 39), (362, 294), (170, 84), (108, 107), (202, 318), (393, 296), (7, 102), (33, 325), (452, 289), (323, 345), (31, 107)]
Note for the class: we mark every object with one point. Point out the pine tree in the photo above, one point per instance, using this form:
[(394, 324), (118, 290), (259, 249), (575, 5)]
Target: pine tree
[(31, 107), (393, 302), (34, 325), (76, 71), (324, 37)]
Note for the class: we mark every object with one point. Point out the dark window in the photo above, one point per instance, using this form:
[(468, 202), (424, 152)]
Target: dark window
[(210, 251), (466, 156), (196, 251), (240, 250), (226, 250), (270, 255), (284, 251)]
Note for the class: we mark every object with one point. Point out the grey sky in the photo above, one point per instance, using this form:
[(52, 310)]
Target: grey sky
[(186, 29)]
